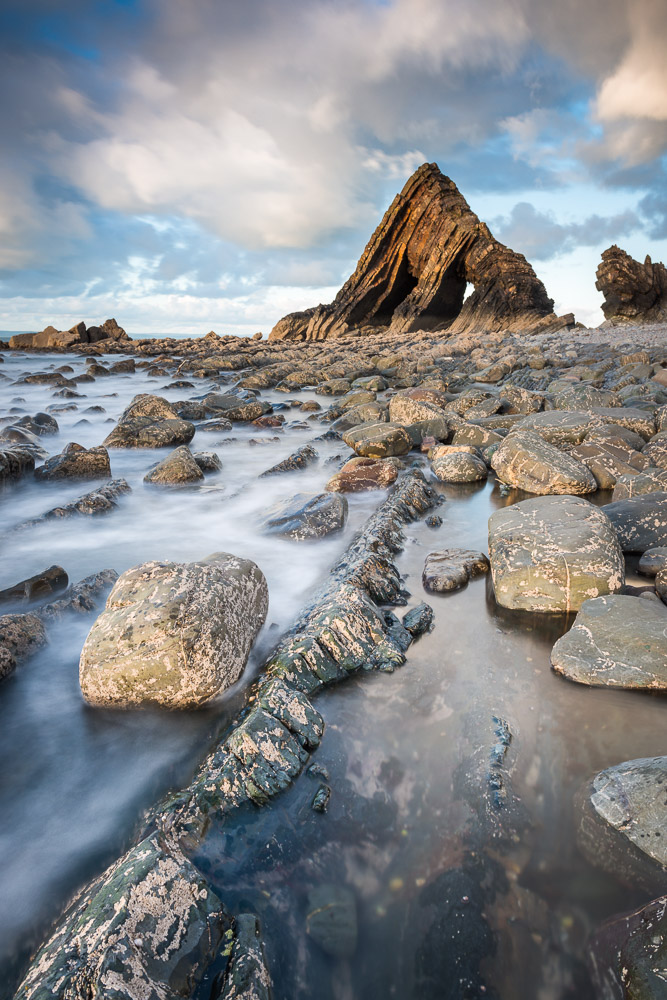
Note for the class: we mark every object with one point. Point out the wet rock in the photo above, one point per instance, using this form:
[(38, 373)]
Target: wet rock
[(433, 521), (14, 437), (149, 927), (81, 597), (419, 620), (637, 484), (528, 462), (450, 569), (623, 814), (174, 634), (247, 976), (50, 581), (207, 461), (237, 408), (100, 501), (361, 474), (150, 422), (20, 636), (633, 292), (475, 436), (321, 798), (14, 463), (76, 462), (331, 919), (306, 516), (459, 467), (177, 469), (41, 424), (380, 440), (653, 560), (300, 459), (627, 956), (640, 522), (213, 426), (552, 554), (616, 641)]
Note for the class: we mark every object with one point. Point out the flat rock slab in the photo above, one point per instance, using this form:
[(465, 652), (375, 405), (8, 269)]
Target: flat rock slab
[(174, 635), (528, 462), (616, 641), (300, 459), (451, 569), (553, 553), (640, 521), (307, 516)]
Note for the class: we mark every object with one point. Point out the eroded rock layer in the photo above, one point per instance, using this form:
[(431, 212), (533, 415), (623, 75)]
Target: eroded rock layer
[(415, 270), (633, 292)]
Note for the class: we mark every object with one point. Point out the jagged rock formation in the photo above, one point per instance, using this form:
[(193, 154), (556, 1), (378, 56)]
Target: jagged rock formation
[(414, 273), (78, 334), (633, 292)]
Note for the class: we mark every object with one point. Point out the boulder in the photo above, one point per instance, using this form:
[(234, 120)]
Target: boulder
[(616, 641), (528, 462), (640, 522), (76, 462), (361, 474), (174, 635), (147, 432), (553, 553), (608, 462), (20, 636), (378, 440), (177, 469), (451, 569), (653, 561), (306, 516), (300, 459), (404, 409), (636, 484), (633, 292), (14, 463), (656, 450), (207, 461), (364, 413), (459, 467), (415, 269)]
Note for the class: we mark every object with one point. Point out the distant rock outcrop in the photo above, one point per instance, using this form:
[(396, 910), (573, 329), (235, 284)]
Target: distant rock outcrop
[(414, 273), (78, 334), (633, 292)]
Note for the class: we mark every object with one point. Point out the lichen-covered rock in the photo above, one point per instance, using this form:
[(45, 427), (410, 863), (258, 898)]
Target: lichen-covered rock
[(361, 474), (174, 634), (451, 569), (306, 516), (656, 450), (627, 956), (636, 484), (405, 409), (608, 462), (528, 462), (20, 635), (300, 459), (640, 521), (653, 560), (378, 440), (459, 467), (364, 413), (247, 976), (552, 554), (147, 432), (616, 641), (147, 929), (177, 469), (76, 462)]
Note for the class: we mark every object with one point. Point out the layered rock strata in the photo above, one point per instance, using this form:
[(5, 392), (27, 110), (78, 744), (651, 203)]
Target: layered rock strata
[(633, 292)]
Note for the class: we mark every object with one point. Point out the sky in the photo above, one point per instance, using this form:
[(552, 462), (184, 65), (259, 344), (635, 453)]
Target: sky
[(188, 165)]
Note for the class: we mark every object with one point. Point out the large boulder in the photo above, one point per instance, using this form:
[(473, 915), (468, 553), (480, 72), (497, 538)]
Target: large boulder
[(552, 554), (528, 462), (76, 462), (459, 467), (177, 469), (616, 641), (404, 408), (640, 521), (174, 634), (150, 422), (636, 484), (306, 516), (378, 440)]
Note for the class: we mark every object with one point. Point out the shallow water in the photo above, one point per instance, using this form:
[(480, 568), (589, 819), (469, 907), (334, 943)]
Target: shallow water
[(439, 871)]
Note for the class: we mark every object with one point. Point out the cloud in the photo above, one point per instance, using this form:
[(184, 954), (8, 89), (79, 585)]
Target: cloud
[(539, 236)]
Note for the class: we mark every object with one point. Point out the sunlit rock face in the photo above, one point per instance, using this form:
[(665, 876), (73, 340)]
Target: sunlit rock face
[(633, 292), (414, 273)]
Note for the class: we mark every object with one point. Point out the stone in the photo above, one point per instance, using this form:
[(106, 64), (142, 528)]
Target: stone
[(656, 451), (661, 584), (380, 440), (415, 269), (361, 474), (174, 635), (404, 409), (36, 587), (99, 501), (553, 553), (450, 569), (298, 460), (306, 516), (653, 560), (364, 413), (616, 641), (419, 620), (177, 469), (640, 522), (20, 636), (633, 292), (331, 919), (76, 462), (637, 484), (247, 975), (207, 461), (40, 425), (14, 463), (528, 462), (583, 397), (147, 432), (459, 467), (149, 927), (627, 956), (476, 436), (608, 462)]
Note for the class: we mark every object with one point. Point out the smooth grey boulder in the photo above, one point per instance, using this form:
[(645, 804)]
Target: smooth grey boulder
[(177, 469), (623, 818), (653, 560), (379, 440), (76, 462), (451, 569), (306, 516), (640, 521), (528, 462), (148, 927), (552, 554), (632, 485), (459, 467), (616, 641), (174, 635)]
